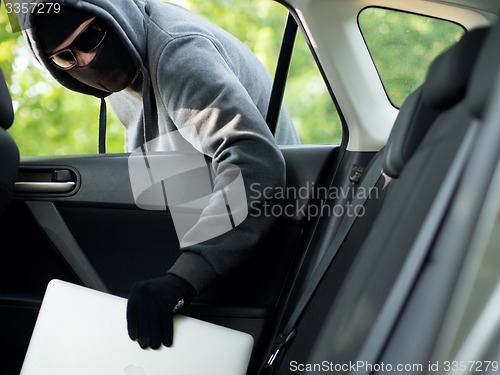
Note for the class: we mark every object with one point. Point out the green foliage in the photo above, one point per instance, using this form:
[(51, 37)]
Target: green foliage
[(258, 23), (50, 119), (314, 114), (402, 45)]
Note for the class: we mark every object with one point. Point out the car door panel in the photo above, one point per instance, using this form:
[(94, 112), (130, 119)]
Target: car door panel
[(99, 222)]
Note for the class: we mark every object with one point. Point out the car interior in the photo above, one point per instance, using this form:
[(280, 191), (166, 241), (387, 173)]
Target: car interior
[(344, 292)]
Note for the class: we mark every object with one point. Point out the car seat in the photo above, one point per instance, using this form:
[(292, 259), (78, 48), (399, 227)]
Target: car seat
[(9, 153)]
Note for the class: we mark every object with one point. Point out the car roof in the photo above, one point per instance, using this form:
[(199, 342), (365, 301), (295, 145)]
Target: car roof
[(491, 6)]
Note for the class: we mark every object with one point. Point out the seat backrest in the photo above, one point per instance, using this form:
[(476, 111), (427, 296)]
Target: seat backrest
[(407, 203), (9, 153), (6, 111), (418, 137)]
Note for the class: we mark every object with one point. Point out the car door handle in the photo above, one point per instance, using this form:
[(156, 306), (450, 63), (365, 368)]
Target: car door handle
[(44, 187), (45, 180)]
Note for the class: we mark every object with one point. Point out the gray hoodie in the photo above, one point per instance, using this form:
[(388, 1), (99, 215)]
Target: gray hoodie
[(198, 74)]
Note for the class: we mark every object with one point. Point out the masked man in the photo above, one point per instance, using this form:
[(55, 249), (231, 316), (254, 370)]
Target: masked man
[(162, 68)]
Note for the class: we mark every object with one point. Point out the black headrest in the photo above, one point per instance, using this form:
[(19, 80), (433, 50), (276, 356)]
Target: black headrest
[(445, 85), (412, 123), (449, 73), (483, 76), (9, 162), (6, 111)]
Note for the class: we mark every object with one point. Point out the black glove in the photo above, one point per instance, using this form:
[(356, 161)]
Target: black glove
[(151, 308)]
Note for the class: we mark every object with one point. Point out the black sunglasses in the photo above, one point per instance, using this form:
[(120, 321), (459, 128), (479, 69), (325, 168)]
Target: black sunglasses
[(88, 40)]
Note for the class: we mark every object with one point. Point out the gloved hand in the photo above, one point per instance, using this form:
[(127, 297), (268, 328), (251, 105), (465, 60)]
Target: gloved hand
[(151, 307)]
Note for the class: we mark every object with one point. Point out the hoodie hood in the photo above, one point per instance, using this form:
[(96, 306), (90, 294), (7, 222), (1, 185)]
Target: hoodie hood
[(126, 17)]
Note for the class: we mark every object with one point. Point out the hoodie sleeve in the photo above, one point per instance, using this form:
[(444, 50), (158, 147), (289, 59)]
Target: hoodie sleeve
[(199, 88)]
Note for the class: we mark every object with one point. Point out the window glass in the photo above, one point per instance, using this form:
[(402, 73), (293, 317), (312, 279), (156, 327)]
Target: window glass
[(308, 100), (403, 45)]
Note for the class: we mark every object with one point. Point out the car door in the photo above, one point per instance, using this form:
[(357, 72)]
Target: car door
[(78, 222)]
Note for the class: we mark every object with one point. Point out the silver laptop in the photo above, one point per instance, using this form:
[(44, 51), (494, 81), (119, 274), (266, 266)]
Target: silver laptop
[(80, 331)]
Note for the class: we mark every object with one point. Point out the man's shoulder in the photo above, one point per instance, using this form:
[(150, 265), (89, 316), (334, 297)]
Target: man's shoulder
[(177, 21)]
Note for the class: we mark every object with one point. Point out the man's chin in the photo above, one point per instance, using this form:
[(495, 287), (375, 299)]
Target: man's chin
[(114, 81)]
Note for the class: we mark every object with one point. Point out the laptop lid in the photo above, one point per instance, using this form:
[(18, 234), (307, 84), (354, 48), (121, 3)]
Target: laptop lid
[(81, 331)]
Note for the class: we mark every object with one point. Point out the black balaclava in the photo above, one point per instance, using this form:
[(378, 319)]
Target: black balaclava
[(112, 69)]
